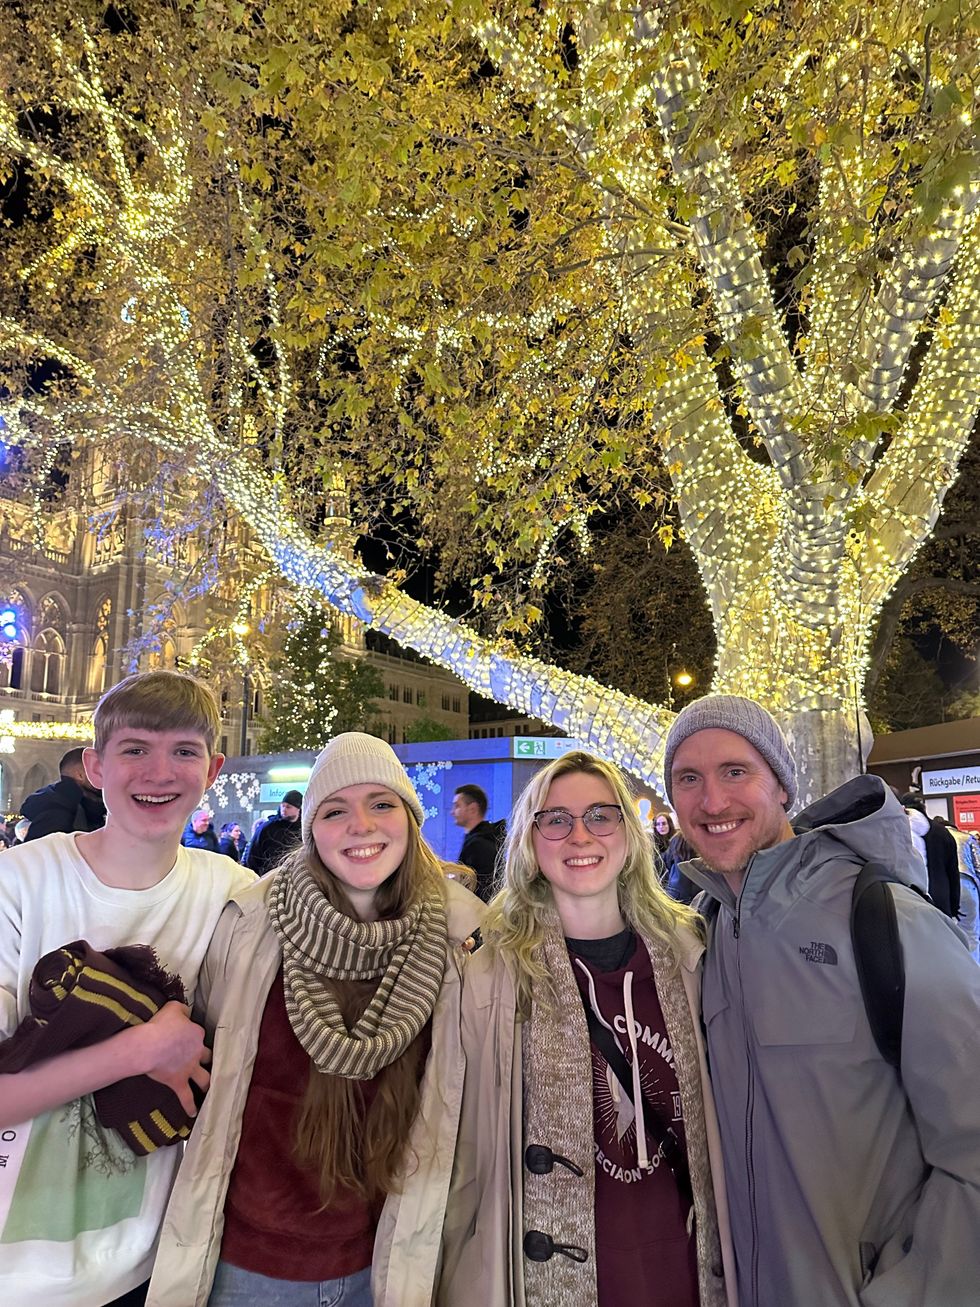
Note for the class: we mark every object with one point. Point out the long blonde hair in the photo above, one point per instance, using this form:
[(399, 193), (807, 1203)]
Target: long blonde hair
[(513, 924), (364, 1152)]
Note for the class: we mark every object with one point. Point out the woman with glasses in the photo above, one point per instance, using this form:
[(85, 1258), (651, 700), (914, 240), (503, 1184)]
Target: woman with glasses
[(587, 1167)]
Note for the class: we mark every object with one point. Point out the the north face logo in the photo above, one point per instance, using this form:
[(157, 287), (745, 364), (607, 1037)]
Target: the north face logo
[(817, 952)]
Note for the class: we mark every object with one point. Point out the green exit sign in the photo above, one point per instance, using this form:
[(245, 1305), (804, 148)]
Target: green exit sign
[(542, 746)]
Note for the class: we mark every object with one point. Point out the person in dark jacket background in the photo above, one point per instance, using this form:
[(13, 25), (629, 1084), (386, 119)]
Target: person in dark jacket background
[(481, 842), (678, 885), (942, 862), (232, 841), (275, 838), (660, 837), (199, 832), (70, 804)]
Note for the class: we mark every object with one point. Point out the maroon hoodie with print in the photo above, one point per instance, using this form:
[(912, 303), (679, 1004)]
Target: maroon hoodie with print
[(644, 1253)]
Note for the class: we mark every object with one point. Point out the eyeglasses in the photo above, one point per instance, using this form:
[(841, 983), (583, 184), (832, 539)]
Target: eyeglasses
[(600, 819)]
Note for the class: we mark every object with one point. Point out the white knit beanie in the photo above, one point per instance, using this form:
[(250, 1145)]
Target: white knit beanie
[(356, 759), (745, 717)]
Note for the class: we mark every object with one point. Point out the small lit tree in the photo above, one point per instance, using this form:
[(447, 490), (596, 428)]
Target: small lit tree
[(315, 691)]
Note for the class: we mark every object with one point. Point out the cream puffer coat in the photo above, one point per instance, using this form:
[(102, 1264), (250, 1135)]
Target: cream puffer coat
[(238, 972)]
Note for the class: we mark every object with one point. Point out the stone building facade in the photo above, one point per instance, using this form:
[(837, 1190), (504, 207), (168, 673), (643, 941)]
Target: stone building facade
[(90, 595)]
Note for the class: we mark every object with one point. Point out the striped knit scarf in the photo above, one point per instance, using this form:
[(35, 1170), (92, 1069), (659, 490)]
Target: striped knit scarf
[(320, 945)]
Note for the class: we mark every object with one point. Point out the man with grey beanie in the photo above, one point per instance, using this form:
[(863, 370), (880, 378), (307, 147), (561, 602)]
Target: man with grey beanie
[(850, 1183)]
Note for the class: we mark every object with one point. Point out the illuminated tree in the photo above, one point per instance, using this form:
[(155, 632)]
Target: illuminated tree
[(505, 271), (314, 692)]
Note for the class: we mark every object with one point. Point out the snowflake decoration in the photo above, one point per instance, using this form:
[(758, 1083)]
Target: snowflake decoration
[(423, 776), (246, 786)]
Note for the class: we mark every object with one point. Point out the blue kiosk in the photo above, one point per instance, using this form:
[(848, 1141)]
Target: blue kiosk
[(253, 786)]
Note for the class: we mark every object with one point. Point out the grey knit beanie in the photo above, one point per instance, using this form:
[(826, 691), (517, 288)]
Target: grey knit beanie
[(745, 717), (356, 759)]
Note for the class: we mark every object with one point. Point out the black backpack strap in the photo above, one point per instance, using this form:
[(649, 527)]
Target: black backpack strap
[(879, 958), (669, 1144)]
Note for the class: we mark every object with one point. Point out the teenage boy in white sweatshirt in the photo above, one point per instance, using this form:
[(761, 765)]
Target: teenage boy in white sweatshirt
[(79, 1213)]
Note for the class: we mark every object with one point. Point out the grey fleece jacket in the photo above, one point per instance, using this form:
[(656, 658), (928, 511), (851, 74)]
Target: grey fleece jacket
[(846, 1185)]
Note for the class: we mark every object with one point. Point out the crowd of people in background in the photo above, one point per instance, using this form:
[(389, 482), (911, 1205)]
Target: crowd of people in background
[(315, 1067), (949, 872)]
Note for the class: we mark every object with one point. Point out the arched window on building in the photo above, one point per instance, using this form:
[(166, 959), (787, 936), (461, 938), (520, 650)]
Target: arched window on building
[(35, 778), (170, 633), (165, 655), (12, 669), (47, 663), (48, 658), (51, 615), (14, 643), (99, 662)]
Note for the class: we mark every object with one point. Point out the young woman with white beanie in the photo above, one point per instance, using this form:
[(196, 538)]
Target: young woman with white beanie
[(328, 989)]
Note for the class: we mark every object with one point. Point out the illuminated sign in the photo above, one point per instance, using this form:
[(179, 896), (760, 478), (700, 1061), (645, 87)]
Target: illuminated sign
[(276, 791), (541, 746), (966, 811), (953, 780)]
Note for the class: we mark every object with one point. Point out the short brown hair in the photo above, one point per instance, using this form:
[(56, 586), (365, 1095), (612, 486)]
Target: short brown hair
[(158, 701), (474, 794)]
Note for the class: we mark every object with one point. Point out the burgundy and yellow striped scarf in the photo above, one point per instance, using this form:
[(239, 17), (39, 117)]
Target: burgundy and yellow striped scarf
[(80, 997)]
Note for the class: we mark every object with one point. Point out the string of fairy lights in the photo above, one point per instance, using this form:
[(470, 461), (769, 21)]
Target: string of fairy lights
[(793, 572), (794, 593), (579, 705)]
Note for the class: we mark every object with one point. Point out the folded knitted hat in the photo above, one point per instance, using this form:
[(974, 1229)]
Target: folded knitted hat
[(295, 797), (744, 717), (356, 759)]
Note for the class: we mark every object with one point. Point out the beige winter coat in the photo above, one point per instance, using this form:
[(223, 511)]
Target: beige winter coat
[(238, 972), (482, 1259)]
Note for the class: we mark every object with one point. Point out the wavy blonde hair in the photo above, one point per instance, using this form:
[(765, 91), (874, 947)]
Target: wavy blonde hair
[(352, 1150), (513, 924)]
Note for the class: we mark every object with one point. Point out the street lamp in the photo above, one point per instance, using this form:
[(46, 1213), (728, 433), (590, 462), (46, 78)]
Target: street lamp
[(684, 679)]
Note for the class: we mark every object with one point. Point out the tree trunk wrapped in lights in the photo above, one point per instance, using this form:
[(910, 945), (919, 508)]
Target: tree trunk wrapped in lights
[(808, 464)]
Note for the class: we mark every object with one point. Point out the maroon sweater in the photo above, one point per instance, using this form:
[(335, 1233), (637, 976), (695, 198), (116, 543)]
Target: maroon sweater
[(643, 1251), (275, 1224)]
